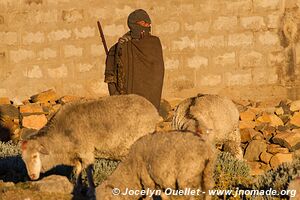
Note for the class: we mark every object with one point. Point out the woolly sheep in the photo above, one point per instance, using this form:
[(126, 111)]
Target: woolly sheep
[(176, 160), (294, 189), (211, 112), (79, 132)]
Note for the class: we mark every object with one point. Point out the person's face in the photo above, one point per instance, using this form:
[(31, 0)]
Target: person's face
[(143, 23)]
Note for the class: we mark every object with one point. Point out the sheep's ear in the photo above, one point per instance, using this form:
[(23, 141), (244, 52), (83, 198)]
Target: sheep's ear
[(24, 145), (43, 150), (29, 133)]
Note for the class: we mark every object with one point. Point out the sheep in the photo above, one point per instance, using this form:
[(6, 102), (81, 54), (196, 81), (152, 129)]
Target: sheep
[(211, 112), (164, 161), (80, 132), (294, 189)]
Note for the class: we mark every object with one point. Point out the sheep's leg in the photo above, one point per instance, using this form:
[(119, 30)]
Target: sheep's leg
[(234, 149), (78, 177), (165, 197), (233, 144), (207, 178), (89, 172)]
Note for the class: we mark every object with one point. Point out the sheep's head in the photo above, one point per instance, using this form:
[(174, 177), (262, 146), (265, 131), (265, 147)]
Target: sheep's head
[(31, 155)]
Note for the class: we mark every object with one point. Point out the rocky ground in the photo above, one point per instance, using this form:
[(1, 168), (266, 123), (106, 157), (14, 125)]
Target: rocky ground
[(270, 133), (50, 188)]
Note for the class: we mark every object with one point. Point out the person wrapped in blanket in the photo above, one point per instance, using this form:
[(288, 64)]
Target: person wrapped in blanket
[(134, 65)]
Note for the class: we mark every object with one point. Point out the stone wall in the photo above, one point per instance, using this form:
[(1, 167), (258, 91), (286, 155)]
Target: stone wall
[(232, 47)]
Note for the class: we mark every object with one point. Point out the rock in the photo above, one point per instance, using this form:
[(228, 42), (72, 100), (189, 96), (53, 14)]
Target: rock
[(258, 137), (11, 124), (272, 119), (265, 167), (4, 100), (54, 184), (17, 102), (280, 158), (275, 148), (279, 111), (46, 109), (53, 109), (254, 149), (294, 188), (295, 106), (264, 118), (285, 118), (68, 98), (46, 96), (164, 109), (265, 157), (257, 111), (282, 128), (247, 134), (26, 101), (31, 108), (275, 120), (9, 121), (6, 184), (268, 132), (247, 115), (291, 126), (242, 102), (288, 139), (247, 124), (285, 107), (295, 120), (255, 168), (260, 127), (272, 103), (9, 111), (34, 121), (164, 126)]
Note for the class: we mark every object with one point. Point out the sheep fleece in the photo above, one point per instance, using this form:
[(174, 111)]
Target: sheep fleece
[(109, 125), (211, 112), (163, 160)]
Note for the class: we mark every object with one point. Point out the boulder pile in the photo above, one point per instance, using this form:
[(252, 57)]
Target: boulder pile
[(270, 132), (20, 118)]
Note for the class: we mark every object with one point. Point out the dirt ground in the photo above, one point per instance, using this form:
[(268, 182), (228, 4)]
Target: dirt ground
[(24, 192)]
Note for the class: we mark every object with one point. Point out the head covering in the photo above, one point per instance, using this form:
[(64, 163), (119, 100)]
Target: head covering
[(136, 29)]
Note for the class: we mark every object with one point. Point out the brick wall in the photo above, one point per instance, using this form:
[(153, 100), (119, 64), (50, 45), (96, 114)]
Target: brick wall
[(231, 47)]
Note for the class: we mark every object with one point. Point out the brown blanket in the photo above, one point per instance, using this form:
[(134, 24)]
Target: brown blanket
[(139, 69)]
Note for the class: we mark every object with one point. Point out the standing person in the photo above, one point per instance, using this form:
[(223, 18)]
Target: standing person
[(134, 65)]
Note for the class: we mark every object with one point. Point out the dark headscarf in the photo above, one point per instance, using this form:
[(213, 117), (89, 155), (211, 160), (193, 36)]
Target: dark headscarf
[(136, 29)]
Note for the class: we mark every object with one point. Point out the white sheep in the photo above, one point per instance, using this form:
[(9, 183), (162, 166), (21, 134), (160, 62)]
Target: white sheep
[(163, 161), (214, 113), (105, 128)]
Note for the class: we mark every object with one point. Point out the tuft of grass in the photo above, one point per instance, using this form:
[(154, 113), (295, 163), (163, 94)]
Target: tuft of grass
[(9, 149), (102, 169), (279, 178), (230, 172)]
